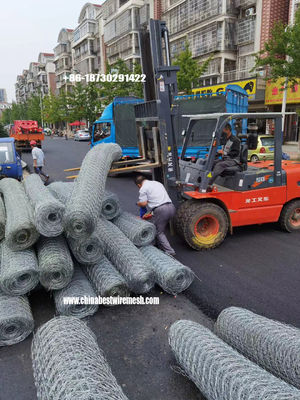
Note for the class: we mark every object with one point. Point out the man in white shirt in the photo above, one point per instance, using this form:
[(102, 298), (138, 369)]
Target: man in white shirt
[(38, 159), (154, 195)]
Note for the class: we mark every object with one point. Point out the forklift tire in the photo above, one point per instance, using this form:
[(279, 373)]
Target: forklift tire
[(290, 216), (204, 225), (181, 215)]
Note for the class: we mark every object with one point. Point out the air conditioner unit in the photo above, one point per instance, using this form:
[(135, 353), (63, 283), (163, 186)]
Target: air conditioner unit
[(250, 12)]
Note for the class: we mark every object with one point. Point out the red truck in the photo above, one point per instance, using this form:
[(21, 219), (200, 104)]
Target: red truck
[(24, 132)]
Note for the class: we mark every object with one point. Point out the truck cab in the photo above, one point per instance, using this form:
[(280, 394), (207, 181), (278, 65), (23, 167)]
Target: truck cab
[(10, 161)]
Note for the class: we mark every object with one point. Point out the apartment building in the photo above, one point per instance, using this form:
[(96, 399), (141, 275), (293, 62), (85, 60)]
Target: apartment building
[(3, 96), (85, 44), (120, 25), (63, 60), (21, 88)]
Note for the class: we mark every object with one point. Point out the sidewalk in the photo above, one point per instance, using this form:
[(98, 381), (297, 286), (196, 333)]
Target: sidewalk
[(292, 149)]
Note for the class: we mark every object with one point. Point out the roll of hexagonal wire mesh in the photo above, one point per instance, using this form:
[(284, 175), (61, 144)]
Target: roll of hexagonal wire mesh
[(18, 271), (172, 276), (61, 190), (139, 231), (106, 279), (130, 262), (85, 203), (2, 219), (87, 251), (219, 371), (20, 231), (110, 205), (48, 211), (79, 287), (68, 363), (271, 344), (16, 320), (55, 262)]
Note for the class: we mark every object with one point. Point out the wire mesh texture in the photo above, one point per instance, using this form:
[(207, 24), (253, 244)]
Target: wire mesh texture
[(271, 344), (68, 363), (79, 287), (85, 203), (172, 276), (87, 251), (2, 219), (55, 262), (16, 320), (139, 231), (110, 205), (110, 201), (48, 211), (130, 262), (18, 271), (20, 231), (219, 371), (106, 279)]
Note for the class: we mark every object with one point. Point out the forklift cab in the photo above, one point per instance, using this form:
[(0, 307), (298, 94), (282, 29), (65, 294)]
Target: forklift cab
[(241, 177)]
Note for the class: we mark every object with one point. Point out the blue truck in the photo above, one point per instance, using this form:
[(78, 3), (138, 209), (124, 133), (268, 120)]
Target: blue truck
[(117, 123), (10, 161)]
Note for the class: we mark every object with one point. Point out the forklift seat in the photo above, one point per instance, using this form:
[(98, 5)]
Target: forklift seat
[(242, 166)]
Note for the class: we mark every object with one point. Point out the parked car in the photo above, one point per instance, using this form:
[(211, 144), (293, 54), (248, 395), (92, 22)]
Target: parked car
[(10, 161), (264, 150), (83, 134)]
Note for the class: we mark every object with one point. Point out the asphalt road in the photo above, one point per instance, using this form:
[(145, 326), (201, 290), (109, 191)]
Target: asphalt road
[(258, 268)]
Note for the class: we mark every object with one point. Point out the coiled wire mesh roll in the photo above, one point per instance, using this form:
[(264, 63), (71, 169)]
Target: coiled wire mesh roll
[(139, 231), (48, 211), (18, 271), (110, 202), (87, 251), (16, 320), (78, 287), (55, 262), (85, 204), (172, 276), (130, 262), (20, 231), (219, 371), (68, 364), (271, 344), (2, 219), (110, 205), (106, 279)]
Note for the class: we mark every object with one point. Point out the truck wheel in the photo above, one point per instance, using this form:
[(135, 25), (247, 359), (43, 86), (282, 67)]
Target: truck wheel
[(290, 216), (204, 225)]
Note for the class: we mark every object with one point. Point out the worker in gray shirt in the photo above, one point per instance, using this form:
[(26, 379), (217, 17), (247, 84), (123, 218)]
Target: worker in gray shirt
[(154, 195)]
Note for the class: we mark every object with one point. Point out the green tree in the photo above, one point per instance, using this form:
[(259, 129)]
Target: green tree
[(34, 109), (3, 132), (51, 109), (7, 116), (76, 102), (281, 54), (190, 71)]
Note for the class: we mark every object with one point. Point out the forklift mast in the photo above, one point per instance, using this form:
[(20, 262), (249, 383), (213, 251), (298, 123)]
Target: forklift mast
[(161, 87)]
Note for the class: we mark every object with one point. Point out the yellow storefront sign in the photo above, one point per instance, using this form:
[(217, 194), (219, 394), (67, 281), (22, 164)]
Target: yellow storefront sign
[(248, 84), (274, 93)]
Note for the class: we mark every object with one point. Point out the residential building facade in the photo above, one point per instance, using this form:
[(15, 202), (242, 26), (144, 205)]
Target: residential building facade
[(63, 60), (3, 96)]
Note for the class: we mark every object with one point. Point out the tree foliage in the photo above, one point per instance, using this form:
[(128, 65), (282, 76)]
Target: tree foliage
[(3, 132), (190, 71), (281, 54)]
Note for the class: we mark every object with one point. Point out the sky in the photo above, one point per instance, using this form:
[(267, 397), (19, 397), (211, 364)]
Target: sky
[(29, 27)]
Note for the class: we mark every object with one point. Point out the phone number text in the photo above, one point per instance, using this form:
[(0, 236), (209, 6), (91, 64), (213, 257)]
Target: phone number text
[(106, 78)]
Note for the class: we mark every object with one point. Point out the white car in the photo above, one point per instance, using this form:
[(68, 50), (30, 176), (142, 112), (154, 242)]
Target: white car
[(82, 135)]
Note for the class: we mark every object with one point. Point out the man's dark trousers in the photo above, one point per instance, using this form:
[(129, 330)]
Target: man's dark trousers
[(162, 215), (219, 168)]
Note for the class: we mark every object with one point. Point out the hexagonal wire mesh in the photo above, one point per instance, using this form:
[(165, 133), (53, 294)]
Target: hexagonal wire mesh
[(85, 203), (2, 219), (55, 262), (271, 344), (68, 363), (20, 231), (219, 371), (79, 287), (87, 251), (172, 276), (139, 231), (48, 211), (18, 271), (16, 320)]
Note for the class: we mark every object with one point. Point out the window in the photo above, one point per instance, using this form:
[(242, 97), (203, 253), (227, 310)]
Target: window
[(101, 131), (267, 141), (6, 153)]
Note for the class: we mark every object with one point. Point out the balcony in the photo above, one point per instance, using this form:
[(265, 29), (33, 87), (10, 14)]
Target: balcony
[(61, 49), (245, 3)]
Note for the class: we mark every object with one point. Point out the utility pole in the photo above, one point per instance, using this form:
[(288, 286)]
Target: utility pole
[(286, 83), (41, 106)]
